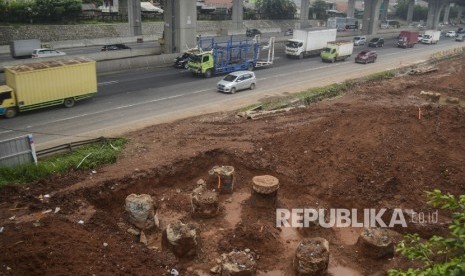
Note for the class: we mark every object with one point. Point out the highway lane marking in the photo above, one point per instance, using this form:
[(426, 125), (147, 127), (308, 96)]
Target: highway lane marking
[(107, 83), (126, 106), (6, 131)]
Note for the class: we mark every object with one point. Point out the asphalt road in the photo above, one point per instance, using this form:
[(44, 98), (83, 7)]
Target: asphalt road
[(131, 100)]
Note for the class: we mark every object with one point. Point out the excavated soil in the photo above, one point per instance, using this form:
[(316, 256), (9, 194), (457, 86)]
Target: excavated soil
[(365, 149)]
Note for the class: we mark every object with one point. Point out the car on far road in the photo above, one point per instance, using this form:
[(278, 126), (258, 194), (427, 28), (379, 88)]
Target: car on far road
[(360, 40), (115, 47), (450, 34), (236, 81), (366, 56), (376, 42), (460, 37), (46, 52), (252, 32)]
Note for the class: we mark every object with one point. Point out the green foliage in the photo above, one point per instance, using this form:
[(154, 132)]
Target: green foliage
[(419, 12), (39, 11), (319, 8), (438, 255), (86, 157), (381, 75), (276, 9)]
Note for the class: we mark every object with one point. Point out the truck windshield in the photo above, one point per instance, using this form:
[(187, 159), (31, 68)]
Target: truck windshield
[(292, 44), (327, 50), (194, 58)]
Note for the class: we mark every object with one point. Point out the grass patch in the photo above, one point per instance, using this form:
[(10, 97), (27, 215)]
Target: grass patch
[(82, 158), (381, 75)]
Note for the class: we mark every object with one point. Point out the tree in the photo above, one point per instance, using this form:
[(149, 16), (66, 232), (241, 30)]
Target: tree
[(440, 256), (319, 8), (419, 12), (276, 9)]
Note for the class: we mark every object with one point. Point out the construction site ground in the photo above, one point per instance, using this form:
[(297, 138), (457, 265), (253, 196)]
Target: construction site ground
[(380, 145)]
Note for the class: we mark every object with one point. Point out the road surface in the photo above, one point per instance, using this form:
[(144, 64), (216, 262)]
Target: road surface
[(134, 99)]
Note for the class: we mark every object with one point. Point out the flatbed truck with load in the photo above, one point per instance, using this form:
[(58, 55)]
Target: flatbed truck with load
[(308, 42), (337, 50), (38, 85), (229, 56)]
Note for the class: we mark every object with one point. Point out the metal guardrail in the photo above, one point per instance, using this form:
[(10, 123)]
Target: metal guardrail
[(17, 151), (71, 146)]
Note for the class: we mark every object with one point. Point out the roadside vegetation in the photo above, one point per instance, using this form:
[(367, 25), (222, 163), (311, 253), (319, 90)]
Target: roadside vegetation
[(83, 158), (438, 255), (317, 94)]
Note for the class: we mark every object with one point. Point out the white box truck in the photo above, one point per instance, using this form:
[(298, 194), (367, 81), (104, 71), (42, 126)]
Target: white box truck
[(24, 48), (337, 50), (431, 37), (308, 42)]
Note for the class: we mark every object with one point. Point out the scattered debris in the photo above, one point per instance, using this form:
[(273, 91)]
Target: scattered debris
[(81, 222), (12, 218), (182, 239), (216, 269), (1, 229), (375, 243), (312, 257), (453, 100), (422, 70), (47, 211), (105, 244), (174, 272), (57, 209), (141, 210), (264, 191), (133, 231), (432, 96), (143, 238)]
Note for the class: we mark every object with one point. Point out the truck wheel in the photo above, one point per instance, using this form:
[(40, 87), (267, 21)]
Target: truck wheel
[(69, 102), (332, 60), (208, 73), (10, 112), (233, 90), (301, 56), (250, 66), (186, 66)]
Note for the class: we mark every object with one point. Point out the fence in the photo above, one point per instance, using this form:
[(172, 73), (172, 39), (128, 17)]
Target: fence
[(16, 151)]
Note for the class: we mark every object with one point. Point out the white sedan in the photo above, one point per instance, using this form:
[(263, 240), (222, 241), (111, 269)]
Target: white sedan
[(450, 34), (45, 52)]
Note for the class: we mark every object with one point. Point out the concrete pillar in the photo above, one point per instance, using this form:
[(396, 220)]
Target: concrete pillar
[(411, 6), (123, 8), (237, 14), (385, 7), (459, 13), (180, 25), (134, 17), (351, 8), (437, 16), (304, 22), (446, 14), (371, 16)]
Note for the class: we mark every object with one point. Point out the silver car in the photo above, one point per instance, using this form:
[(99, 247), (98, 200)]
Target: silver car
[(45, 52), (237, 81), (360, 40)]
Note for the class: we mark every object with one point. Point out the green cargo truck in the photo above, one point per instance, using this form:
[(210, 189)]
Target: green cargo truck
[(37, 85)]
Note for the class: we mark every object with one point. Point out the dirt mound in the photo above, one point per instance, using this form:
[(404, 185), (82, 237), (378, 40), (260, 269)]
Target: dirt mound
[(379, 146)]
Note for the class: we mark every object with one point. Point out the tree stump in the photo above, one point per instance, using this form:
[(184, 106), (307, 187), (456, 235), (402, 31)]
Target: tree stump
[(375, 243), (265, 191), (204, 202), (221, 178), (311, 257), (238, 263), (182, 239), (141, 210)]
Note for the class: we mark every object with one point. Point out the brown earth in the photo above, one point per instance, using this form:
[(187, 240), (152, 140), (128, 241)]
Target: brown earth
[(366, 149)]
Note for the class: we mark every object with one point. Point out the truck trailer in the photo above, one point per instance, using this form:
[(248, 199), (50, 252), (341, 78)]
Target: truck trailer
[(337, 50), (232, 55), (37, 85), (23, 48), (308, 42), (407, 39), (431, 37)]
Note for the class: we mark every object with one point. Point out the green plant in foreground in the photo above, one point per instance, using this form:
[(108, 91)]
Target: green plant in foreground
[(438, 255), (85, 157), (381, 75)]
